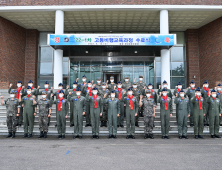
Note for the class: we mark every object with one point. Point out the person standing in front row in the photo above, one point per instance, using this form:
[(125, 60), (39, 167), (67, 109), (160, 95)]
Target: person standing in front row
[(205, 93), (166, 110)]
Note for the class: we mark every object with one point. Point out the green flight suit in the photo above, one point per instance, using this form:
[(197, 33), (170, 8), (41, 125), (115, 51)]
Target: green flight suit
[(126, 86), (20, 118), (214, 109), (136, 93), (60, 115), (190, 93), (71, 103), (183, 106), (104, 117), (205, 96), (120, 119), (28, 113), (130, 114), (79, 106), (82, 86), (219, 96), (169, 93), (198, 115), (174, 93), (99, 87), (95, 112), (113, 111), (140, 86), (87, 115), (111, 86), (165, 115)]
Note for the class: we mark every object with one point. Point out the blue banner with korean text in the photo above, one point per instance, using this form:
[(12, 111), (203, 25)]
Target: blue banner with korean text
[(113, 39)]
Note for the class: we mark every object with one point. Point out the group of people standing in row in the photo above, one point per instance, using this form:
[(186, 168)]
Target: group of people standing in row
[(103, 102)]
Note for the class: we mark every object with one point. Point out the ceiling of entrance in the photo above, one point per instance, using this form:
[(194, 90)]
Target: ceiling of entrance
[(115, 21)]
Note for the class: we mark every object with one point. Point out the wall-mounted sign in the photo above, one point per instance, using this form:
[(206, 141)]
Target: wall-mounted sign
[(112, 39)]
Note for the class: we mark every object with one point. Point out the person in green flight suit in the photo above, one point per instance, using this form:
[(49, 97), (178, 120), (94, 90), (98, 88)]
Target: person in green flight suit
[(113, 112), (214, 113), (112, 85), (183, 106), (165, 85), (205, 93), (219, 96), (78, 111), (166, 110), (177, 91), (136, 93)]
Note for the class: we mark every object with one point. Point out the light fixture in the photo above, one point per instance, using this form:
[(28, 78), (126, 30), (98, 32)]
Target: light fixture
[(135, 51), (86, 51)]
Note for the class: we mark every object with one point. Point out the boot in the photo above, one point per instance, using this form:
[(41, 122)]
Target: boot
[(30, 135), (45, 134), (101, 125), (25, 135), (136, 124), (41, 134), (105, 123), (9, 135), (13, 134)]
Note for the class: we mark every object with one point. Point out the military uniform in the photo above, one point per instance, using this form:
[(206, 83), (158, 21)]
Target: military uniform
[(165, 115), (148, 105), (113, 111), (79, 106), (95, 112), (120, 119), (84, 92), (130, 114), (11, 113), (205, 96), (198, 115), (214, 107), (126, 86), (176, 92), (169, 93), (136, 93), (61, 114), (28, 113), (140, 86), (219, 96), (44, 107), (111, 86), (183, 106), (191, 93), (104, 117)]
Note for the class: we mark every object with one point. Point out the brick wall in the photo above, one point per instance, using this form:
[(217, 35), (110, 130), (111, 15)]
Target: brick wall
[(12, 53), (210, 52), (192, 56), (108, 2)]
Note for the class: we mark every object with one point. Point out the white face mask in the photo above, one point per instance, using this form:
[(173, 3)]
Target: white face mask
[(46, 86), (95, 92), (111, 80), (18, 85), (98, 82), (150, 87), (30, 85), (182, 95), (103, 87), (130, 92), (164, 85), (198, 94), (83, 80), (29, 92), (12, 95), (179, 87), (141, 79), (126, 80), (206, 85), (148, 95), (192, 86), (43, 96), (214, 95), (112, 95), (78, 93), (164, 94), (119, 86), (219, 88), (89, 85), (60, 95), (134, 86), (60, 88), (74, 86)]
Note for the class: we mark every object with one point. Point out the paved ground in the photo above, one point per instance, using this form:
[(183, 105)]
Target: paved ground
[(108, 154)]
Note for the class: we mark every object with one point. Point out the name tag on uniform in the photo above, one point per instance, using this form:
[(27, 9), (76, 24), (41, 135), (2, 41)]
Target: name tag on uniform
[(57, 101), (31, 98), (205, 91), (191, 90), (25, 98), (218, 101), (180, 100), (212, 101), (196, 99), (151, 101), (81, 84), (57, 92), (92, 98), (16, 91), (153, 92), (110, 100), (201, 99), (162, 99), (49, 92), (127, 99), (72, 92), (168, 99), (75, 99), (15, 102)]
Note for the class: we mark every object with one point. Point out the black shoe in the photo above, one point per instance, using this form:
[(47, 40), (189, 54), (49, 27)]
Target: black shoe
[(25, 135), (13, 134), (205, 124), (105, 123), (86, 125), (151, 136), (199, 136), (59, 136), (90, 125), (121, 126), (136, 124), (180, 137), (97, 137), (45, 134), (110, 136), (41, 135), (93, 137), (153, 125), (185, 137), (74, 137), (30, 135), (55, 125), (146, 136), (9, 135), (212, 136), (19, 125), (191, 125), (117, 125), (167, 137), (128, 136), (63, 136), (217, 136), (114, 136), (220, 124), (133, 137), (101, 125), (196, 137), (163, 137), (71, 125), (48, 124), (80, 137)]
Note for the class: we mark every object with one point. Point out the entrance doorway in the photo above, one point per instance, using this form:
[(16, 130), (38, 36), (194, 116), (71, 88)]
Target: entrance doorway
[(116, 77)]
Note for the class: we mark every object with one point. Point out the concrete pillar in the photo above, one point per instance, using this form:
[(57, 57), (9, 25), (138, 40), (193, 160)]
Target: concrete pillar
[(58, 54), (165, 54)]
